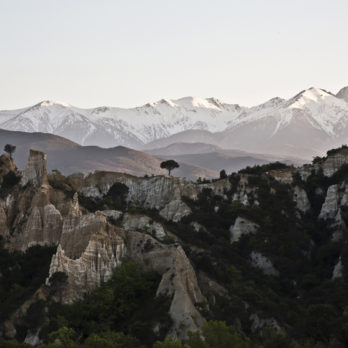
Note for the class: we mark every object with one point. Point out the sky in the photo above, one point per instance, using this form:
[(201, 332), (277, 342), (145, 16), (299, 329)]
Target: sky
[(126, 53)]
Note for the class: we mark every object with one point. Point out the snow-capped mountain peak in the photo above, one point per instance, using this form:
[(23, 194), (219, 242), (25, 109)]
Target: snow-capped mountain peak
[(313, 95), (47, 103), (196, 102), (323, 107)]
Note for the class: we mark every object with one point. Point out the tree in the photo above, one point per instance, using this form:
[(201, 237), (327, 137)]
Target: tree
[(223, 174), (111, 340), (116, 198), (169, 165), (170, 343), (217, 334), (10, 149), (62, 338), (57, 282)]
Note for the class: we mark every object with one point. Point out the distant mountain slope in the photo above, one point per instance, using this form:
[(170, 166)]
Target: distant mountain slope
[(308, 124), (70, 157), (188, 136), (216, 158), (187, 148), (217, 161)]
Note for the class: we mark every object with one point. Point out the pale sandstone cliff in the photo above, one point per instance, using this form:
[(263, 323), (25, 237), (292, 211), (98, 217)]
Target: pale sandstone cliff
[(154, 192)]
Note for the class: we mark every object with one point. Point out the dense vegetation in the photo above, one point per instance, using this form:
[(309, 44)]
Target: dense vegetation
[(215, 334), (126, 303), (260, 169), (124, 307), (9, 181), (304, 300), (21, 274)]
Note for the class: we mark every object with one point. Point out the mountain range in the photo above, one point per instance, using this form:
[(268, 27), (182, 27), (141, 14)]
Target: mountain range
[(305, 125)]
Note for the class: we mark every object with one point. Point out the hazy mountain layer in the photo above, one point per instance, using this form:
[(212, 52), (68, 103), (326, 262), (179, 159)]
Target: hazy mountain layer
[(70, 157)]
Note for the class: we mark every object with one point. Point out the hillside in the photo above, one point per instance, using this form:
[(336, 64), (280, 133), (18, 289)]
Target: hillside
[(259, 258), (216, 158)]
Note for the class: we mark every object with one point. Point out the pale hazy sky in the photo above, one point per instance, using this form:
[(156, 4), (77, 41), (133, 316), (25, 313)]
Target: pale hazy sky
[(127, 53)]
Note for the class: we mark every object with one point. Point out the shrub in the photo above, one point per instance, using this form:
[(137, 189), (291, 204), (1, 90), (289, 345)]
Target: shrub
[(257, 170), (10, 180), (117, 196)]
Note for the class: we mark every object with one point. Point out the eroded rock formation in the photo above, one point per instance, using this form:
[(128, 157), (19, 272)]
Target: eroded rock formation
[(89, 247), (35, 171)]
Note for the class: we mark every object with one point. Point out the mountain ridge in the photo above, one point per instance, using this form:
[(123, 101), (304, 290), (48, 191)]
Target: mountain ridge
[(322, 115)]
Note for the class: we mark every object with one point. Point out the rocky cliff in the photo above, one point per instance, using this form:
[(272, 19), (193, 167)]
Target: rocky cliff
[(89, 247)]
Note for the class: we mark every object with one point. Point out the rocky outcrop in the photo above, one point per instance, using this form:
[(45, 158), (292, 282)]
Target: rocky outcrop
[(179, 280), (153, 193), (87, 254), (36, 219), (113, 214), (328, 165), (136, 222), (35, 171), (32, 338), (334, 162), (301, 200), (242, 227), (338, 270), (330, 206), (197, 227), (175, 210), (305, 171), (284, 176), (336, 198), (244, 192), (34, 213), (260, 261)]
